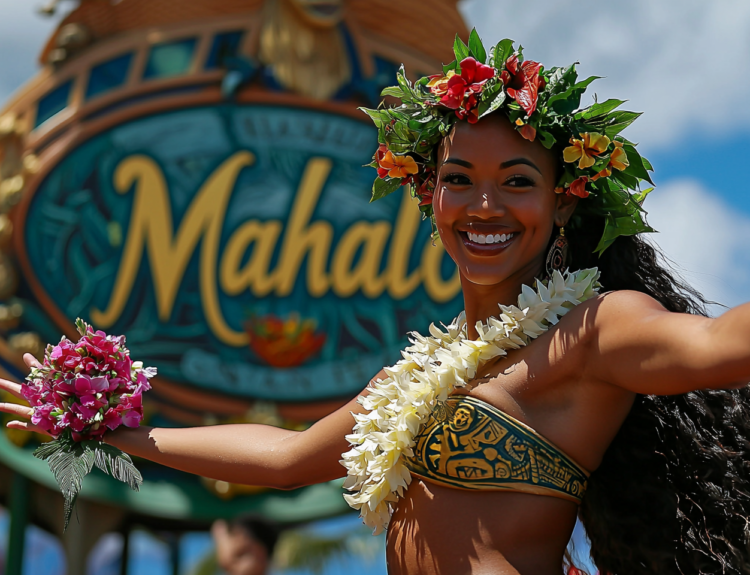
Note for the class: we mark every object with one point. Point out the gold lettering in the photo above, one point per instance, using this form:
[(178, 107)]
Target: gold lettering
[(151, 227), (438, 289), (302, 237), (254, 275), (371, 237)]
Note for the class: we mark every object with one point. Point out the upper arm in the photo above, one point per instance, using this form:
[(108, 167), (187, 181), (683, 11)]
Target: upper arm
[(642, 347), (317, 450)]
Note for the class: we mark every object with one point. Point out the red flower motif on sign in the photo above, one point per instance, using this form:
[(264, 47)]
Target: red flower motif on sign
[(523, 82)]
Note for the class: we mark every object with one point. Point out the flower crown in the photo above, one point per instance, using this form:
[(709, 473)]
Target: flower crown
[(543, 105)]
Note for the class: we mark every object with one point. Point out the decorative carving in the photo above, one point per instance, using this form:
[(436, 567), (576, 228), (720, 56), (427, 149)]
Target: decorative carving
[(469, 444), (301, 42)]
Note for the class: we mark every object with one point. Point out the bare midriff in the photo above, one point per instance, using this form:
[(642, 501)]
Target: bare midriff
[(437, 530)]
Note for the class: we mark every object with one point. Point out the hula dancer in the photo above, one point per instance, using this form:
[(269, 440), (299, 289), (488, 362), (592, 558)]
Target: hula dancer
[(603, 393)]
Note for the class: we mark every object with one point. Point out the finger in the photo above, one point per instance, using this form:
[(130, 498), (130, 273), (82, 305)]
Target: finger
[(23, 425), (11, 387), (31, 361), (15, 409)]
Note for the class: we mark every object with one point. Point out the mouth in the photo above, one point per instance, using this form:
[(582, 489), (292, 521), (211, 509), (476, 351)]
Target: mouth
[(487, 244)]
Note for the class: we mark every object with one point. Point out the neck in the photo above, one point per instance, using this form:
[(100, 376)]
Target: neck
[(481, 301)]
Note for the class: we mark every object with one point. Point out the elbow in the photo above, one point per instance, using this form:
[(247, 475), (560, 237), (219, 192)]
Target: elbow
[(290, 478)]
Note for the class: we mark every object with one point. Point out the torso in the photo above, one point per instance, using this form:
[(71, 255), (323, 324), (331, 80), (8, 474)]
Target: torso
[(441, 530)]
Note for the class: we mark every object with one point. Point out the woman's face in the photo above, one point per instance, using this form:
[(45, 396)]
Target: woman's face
[(495, 204)]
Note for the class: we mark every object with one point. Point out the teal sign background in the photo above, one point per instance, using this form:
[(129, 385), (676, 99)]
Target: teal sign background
[(79, 224)]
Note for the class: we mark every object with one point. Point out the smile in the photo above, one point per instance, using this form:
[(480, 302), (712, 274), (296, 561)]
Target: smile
[(487, 244), (489, 238)]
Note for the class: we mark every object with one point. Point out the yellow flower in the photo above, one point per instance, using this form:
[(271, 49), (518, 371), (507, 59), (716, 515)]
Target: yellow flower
[(399, 166), (585, 151), (438, 84), (618, 160)]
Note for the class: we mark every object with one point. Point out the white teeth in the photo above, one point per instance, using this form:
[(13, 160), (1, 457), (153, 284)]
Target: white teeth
[(489, 239)]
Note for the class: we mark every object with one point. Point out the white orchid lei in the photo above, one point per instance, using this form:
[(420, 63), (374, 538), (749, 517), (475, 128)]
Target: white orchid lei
[(431, 368)]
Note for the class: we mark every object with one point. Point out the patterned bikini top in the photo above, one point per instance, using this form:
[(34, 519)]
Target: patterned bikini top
[(468, 444)]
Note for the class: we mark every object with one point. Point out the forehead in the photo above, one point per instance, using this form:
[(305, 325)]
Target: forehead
[(492, 141)]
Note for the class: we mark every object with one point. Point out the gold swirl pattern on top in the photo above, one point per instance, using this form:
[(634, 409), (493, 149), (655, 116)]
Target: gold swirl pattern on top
[(468, 444)]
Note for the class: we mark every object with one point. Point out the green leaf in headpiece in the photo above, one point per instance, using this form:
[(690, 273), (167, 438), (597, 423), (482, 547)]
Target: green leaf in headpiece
[(570, 99), (384, 187), (476, 48), (460, 49), (502, 52)]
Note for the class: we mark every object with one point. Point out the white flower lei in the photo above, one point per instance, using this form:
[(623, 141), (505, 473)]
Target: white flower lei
[(431, 368)]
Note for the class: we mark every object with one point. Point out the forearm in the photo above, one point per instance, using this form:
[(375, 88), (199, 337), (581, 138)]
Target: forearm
[(249, 454)]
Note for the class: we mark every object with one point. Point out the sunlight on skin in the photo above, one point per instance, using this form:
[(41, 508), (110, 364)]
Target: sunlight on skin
[(507, 187)]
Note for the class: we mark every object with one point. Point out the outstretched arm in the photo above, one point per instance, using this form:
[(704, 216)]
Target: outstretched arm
[(246, 453), (642, 347)]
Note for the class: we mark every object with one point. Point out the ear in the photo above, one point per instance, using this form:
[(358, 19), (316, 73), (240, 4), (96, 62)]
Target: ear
[(564, 208)]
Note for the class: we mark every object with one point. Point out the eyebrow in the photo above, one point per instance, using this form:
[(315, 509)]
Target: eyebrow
[(503, 166), (517, 161), (458, 162)]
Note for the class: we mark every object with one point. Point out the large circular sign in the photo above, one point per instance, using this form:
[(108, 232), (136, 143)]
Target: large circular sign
[(236, 247)]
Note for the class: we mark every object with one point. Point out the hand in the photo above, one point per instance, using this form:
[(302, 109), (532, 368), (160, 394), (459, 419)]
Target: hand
[(23, 411)]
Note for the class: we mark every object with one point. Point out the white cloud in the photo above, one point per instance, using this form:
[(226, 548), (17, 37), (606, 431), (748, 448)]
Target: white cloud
[(705, 237), (682, 62)]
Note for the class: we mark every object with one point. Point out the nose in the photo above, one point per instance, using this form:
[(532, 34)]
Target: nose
[(486, 202)]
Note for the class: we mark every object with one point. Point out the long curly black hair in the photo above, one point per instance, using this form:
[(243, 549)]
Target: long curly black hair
[(672, 495)]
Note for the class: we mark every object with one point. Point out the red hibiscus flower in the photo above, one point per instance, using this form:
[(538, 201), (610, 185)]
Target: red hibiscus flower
[(523, 82), (459, 92), (379, 155), (425, 187)]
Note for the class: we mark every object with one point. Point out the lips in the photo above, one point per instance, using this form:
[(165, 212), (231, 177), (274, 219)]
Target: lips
[(487, 244)]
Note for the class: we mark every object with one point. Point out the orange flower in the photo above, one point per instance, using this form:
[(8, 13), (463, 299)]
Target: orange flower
[(577, 188), (585, 151), (618, 160), (398, 166), (526, 130)]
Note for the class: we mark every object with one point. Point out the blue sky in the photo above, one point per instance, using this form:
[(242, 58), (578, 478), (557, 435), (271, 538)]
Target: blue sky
[(684, 64)]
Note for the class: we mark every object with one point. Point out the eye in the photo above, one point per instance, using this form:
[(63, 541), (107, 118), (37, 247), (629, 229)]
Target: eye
[(519, 181), (457, 179)]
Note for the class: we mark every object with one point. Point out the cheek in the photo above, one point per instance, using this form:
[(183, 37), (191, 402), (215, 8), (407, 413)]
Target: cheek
[(535, 211)]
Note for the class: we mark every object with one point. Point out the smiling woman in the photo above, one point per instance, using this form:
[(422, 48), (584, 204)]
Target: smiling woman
[(603, 394)]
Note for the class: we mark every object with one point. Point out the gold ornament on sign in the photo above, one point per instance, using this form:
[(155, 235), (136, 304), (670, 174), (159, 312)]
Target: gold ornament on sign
[(301, 43)]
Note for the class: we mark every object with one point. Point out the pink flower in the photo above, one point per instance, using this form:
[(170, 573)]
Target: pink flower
[(112, 419), (42, 417), (86, 385)]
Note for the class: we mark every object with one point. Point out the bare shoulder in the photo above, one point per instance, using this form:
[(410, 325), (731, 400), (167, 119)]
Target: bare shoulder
[(615, 309), (623, 304)]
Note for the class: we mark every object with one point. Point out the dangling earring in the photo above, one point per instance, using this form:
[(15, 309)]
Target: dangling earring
[(557, 258)]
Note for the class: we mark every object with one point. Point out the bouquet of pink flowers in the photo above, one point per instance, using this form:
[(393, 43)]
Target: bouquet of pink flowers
[(82, 390)]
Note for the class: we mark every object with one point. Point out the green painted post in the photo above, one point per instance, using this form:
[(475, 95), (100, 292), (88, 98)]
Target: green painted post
[(174, 548), (125, 549), (19, 518)]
